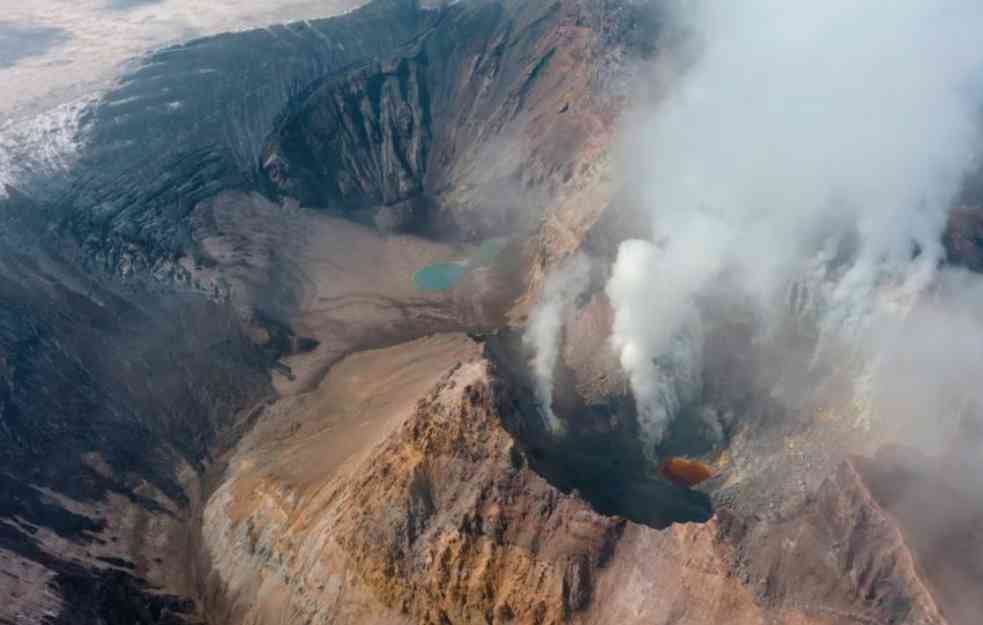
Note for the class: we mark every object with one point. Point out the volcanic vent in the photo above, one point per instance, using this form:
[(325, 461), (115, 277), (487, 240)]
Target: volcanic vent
[(598, 455)]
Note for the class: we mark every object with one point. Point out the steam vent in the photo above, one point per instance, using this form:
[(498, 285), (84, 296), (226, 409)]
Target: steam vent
[(491, 312)]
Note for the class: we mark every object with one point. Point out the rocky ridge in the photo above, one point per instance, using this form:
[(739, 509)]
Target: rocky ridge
[(444, 520), (396, 486)]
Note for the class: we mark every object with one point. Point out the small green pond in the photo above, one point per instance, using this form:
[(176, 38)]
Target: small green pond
[(439, 277), (445, 276)]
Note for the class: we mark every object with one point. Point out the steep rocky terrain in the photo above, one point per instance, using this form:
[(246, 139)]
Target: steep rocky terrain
[(112, 401), (475, 125), (190, 121), (223, 399), (439, 516)]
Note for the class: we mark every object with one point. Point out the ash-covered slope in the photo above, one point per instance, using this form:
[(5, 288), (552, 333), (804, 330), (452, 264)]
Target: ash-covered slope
[(190, 121), (112, 404)]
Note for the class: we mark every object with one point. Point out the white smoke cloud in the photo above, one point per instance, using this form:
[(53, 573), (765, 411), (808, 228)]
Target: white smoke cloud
[(544, 332), (658, 337), (801, 130)]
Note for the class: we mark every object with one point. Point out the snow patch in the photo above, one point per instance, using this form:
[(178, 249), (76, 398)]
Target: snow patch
[(48, 143)]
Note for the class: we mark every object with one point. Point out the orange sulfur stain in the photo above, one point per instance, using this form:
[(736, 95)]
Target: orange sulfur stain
[(685, 473)]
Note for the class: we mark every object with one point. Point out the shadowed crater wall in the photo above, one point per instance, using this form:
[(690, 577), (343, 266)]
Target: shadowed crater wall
[(599, 455)]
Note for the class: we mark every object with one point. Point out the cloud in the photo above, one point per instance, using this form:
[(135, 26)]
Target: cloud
[(123, 5), (53, 51), (814, 148), (21, 41)]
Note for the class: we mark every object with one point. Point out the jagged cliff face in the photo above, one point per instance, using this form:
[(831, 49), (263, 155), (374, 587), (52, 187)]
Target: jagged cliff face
[(472, 127), (439, 516), (435, 518), (223, 399), (190, 121)]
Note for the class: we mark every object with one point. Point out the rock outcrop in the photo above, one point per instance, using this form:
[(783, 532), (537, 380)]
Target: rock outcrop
[(433, 519), (474, 128), (440, 517)]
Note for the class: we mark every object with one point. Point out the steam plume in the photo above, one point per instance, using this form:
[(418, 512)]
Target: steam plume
[(544, 331), (818, 146)]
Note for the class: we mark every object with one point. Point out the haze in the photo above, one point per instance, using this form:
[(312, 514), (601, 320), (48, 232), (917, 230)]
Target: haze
[(817, 149), (53, 51)]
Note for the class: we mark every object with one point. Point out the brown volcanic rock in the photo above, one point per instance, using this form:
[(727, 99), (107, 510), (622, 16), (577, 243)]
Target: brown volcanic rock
[(475, 536), (683, 576), (475, 127), (839, 559), (839, 555), (435, 516), (441, 522), (938, 506)]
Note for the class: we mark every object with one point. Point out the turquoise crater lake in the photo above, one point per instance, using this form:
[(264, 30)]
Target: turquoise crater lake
[(439, 277), (445, 276)]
